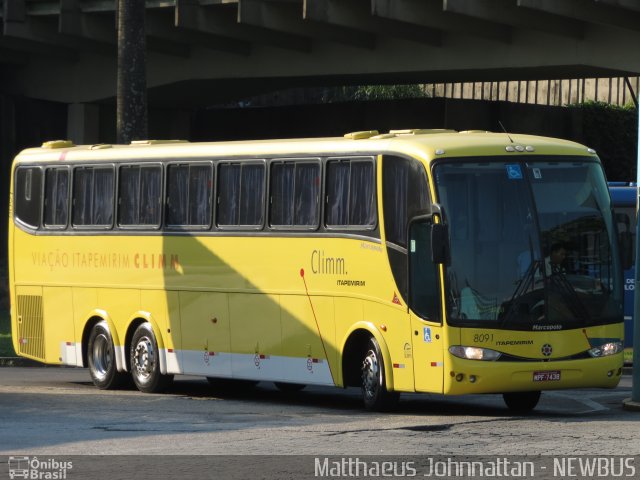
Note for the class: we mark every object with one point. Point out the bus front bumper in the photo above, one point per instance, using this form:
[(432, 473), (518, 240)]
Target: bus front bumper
[(472, 376)]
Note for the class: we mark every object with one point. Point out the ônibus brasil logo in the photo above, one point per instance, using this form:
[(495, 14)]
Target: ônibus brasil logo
[(33, 468)]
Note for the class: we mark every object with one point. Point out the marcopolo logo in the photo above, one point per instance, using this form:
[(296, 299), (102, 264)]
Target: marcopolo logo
[(36, 469)]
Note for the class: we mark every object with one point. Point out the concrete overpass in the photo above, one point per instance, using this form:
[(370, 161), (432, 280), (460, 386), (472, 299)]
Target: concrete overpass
[(201, 52)]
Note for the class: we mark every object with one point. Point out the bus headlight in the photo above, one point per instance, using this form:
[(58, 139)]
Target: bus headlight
[(605, 350), (474, 353)]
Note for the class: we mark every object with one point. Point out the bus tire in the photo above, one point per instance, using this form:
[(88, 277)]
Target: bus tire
[(521, 402), (101, 358), (289, 387), (373, 380), (145, 361)]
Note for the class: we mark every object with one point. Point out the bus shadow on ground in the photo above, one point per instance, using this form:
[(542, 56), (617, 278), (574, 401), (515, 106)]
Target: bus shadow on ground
[(571, 405)]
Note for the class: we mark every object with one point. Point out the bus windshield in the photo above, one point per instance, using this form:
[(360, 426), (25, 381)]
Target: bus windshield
[(532, 244)]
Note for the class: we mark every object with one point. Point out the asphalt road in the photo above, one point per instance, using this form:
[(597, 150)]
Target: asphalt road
[(57, 411)]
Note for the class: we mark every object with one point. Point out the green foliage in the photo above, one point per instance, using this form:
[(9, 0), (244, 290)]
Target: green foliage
[(6, 347), (613, 132), (375, 92)]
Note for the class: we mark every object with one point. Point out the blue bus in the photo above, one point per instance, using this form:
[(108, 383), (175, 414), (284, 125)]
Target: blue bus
[(623, 195)]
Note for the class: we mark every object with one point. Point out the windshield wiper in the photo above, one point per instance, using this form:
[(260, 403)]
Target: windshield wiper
[(568, 294), (524, 284)]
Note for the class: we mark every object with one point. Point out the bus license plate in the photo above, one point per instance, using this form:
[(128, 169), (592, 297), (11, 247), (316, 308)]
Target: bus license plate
[(546, 376)]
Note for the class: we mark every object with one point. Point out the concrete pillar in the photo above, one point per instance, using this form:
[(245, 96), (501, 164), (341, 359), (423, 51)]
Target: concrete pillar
[(83, 123)]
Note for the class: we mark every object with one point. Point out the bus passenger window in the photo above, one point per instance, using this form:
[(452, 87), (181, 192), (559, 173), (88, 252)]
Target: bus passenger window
[(28, 196), (103, 196), (405, 190), (350, 193), (294, 194), (241, 194), (56, 205), (140, 195), (189, 195), (93, 196)]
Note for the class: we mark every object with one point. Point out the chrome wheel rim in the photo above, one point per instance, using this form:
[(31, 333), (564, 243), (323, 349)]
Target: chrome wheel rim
[(144, 358), (370, 374), (102, 356)]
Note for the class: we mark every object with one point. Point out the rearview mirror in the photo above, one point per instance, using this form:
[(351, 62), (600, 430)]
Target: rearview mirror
[(430, 238), (440, 243)]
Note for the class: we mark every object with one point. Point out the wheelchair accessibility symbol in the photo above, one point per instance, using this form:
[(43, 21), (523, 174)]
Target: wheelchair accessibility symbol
[(514, 172), (427, 334)]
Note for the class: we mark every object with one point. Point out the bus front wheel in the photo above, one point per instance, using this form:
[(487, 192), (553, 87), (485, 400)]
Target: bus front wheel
[(521, 402), (373, 380), (145, 361), (102, 360)]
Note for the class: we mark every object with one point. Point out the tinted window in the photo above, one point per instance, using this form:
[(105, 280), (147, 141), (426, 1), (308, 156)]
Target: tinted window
[(295, 188), (425, 297), (241, 194), (139, 202), (350, 193), (189, 194), (406, 193), (28, 195), (93, 196), (56, 205)]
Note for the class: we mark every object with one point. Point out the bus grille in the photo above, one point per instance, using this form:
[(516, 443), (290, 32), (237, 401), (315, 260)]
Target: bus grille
[(30, 326)]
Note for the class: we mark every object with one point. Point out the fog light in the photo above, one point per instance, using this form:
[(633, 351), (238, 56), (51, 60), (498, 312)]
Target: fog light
[(610, 373), (459, 377), (472, 378)]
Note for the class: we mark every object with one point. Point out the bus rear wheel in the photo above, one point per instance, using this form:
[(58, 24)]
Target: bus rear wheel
[(521, 402), (373, 380), (145, 361), (102, 359)]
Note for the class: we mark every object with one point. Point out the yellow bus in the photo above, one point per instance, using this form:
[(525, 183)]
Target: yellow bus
[(409, 261)]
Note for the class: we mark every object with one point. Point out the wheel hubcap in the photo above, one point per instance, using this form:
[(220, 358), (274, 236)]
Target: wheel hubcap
[(102, 356), (144, 358), (370, 372)]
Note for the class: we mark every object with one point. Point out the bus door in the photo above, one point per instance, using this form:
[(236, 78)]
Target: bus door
[(425, 310)]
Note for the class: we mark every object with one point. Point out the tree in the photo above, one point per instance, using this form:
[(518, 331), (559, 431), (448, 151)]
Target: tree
[(131, 92)]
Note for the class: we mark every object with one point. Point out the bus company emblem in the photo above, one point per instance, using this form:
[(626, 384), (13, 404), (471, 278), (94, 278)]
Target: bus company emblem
[(547, 349)]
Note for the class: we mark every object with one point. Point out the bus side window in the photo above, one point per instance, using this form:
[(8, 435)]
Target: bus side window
[(56, 201), (93, 193), (28, 196), (351, 193), (405, 193), (139, 201), (241, 195), (189, 193), (424, 298), (294, 192)]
